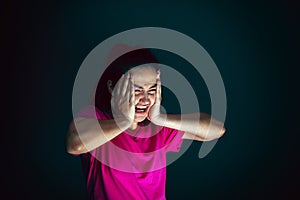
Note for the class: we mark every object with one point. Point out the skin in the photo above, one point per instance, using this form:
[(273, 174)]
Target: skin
[(139, 88), (145, 85)]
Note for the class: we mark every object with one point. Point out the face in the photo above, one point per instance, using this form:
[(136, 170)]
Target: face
[(145, 90)]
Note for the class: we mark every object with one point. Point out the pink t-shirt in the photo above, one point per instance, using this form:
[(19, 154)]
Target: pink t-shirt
[(130, 166)]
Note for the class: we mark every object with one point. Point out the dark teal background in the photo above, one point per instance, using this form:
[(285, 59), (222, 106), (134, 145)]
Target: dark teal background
[(253, 43)]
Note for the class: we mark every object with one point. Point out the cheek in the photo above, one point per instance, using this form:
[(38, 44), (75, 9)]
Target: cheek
[(152, 99), (136, 99)]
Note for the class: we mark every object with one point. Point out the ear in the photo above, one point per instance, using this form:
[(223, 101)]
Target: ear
[(110, 86)]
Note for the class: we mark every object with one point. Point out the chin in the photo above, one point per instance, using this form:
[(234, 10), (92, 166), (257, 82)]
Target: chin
[(140, 118)]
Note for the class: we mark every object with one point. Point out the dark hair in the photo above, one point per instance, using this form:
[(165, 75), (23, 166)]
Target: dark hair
[(114, 72)]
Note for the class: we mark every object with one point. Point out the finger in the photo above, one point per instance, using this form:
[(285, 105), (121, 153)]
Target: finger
[(158, 88), (119, 85), (125, 85), (132, 95), (128, 89), (158, 74)]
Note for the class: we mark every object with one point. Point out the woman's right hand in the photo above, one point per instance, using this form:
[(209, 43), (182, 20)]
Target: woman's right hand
[(123, 101)]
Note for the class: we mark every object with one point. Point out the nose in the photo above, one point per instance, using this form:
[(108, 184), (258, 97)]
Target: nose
[(145, 99)]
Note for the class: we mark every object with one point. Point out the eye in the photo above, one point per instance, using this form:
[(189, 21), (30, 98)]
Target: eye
[(137, 92), (151, 92)]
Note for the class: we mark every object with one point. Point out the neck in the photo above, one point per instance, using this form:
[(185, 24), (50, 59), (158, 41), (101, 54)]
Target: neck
[(133, 126)]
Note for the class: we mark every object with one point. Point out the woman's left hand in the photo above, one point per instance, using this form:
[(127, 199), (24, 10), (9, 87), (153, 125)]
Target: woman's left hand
[(154, 114)]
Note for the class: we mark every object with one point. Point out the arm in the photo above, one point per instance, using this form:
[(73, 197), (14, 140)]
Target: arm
[(205, 128), (91, 135), (197, 126), (86, 134)]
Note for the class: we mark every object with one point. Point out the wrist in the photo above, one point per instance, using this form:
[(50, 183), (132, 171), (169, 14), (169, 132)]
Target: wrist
[(159, 120), (123, 123)]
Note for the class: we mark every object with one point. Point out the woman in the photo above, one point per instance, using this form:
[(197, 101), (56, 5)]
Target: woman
[(124, 139)]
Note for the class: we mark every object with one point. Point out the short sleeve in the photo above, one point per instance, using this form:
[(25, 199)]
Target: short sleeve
[(173, 139)]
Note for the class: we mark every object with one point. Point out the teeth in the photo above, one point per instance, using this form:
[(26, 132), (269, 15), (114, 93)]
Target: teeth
[(141, 107)]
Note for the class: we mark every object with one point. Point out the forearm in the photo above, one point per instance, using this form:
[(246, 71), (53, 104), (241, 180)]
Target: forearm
[(200, 124), (89, 134)]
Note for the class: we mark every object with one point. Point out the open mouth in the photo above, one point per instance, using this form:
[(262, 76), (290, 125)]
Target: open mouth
[(141, 109)]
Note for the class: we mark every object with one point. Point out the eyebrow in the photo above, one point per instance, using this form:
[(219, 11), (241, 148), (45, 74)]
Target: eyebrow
[(140, 87)]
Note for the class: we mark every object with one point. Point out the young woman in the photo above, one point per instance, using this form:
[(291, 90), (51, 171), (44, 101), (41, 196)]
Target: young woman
[(123, 145)]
